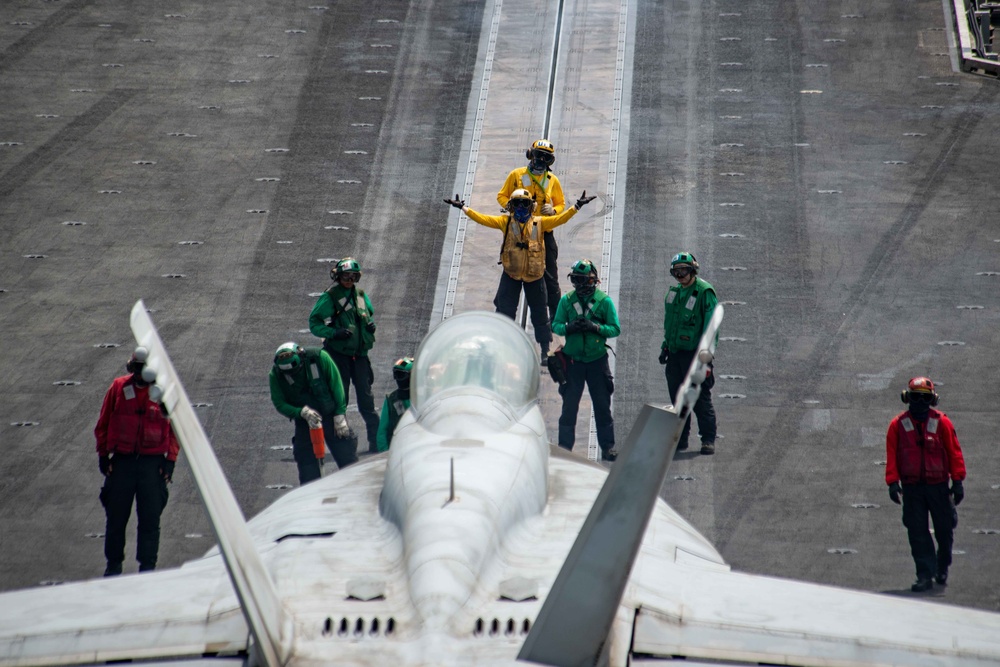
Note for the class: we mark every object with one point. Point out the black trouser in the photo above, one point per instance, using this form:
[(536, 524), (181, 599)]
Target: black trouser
[(358, 370), (344, 450), (678, 365), (918, 501), (139, 478), (597, 376), (508, 294), (551, 277)]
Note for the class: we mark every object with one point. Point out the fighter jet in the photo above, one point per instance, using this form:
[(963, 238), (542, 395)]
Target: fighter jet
[(472, 542)]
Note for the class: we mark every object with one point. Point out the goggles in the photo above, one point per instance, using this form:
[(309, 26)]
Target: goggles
[(921, 397), (399, 375), (353, 276), (543, 157), (287, 360), (583, 281), (681, 272), (524, 204)]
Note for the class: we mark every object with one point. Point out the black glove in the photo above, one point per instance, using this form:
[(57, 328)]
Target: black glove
[(167, 469), (589, 325), (582, 201), (456, 202), (104, 465), (894, 490), (958, 491), (663, 355), (575, 326), (370, 326), (341, 334)]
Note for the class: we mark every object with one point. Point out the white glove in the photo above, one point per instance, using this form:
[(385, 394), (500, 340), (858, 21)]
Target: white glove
[(340, 427), (314, 418), (548, 209)]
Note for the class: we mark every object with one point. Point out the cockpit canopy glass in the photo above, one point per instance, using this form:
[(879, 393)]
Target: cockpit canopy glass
[(476, 349)]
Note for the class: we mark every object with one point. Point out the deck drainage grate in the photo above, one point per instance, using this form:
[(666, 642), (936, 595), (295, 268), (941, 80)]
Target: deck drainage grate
[(181, 134), (67, 383), (830, 192), (281, 448), (74, 223), (865, 506), (362, 124), (841, 551), (732, 377), (34, 256), (109, 192), (144, 163), (256, 210), (733, 396), (210, 107), (969, 307), (733, 339), (732, 236), (986, 531), (173, 275), (278, 487), (339, 212), (337, 228), (26, 424), (267, 179), (190, 243), (275, 150), (732, 268), (348, 181), (731, 145), (295, 31), (951, 343), (94, 536), (685, 478), (989, 273), (107, 346), (237, 81)]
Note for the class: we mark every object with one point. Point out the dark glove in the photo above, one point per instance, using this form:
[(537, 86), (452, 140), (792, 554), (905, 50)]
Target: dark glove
[(582, 201), (575, 326), (456, 202), (894, 490), (167, 469), (663, 355), (104, 464), (589, 325), (341, 334), (370, 326), (958, 491)]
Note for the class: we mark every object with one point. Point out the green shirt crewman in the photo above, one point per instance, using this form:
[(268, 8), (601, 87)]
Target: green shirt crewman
[(396, 403), (688, 308), (306, 388), (587, 317), (343, 316)]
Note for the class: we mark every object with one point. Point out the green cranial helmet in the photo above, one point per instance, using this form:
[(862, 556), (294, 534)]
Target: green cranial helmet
[(346, 266), (288, 357), (402, 368), (583, 268), (684, 260)]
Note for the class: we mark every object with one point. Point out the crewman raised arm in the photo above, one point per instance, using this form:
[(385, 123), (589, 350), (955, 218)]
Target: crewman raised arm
[(522, 253)]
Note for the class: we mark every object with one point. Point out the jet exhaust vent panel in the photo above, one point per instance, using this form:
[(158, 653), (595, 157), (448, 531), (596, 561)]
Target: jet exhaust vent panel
[(355, 628), (496, 627)]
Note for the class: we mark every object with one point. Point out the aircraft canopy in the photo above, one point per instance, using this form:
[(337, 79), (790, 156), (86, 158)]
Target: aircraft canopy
[(476, 349)]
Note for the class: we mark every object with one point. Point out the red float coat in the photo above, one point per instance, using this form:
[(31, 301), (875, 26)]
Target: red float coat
[(130, 423), (925, 452)]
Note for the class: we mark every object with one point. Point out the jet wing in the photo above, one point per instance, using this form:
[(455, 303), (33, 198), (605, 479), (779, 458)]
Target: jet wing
[(687, 609), (187, 612)]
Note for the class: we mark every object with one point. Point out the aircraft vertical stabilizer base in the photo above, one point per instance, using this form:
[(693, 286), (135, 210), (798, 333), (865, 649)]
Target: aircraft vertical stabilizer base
[(450, 548)]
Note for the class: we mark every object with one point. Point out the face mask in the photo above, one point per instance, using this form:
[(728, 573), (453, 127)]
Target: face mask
[(521, 215), (920, 410)]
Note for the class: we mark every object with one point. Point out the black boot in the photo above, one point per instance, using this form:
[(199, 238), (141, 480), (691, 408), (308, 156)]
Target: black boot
[(113, 570), (921, 585), (942, 578)]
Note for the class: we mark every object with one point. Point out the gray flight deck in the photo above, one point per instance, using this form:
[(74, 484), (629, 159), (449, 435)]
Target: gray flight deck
[(831, 172)]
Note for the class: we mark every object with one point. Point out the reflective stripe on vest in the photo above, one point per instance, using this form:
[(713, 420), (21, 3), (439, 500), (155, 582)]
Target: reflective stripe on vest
[(921, 457)]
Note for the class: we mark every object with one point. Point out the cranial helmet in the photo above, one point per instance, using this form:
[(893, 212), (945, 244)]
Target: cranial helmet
[(136, 362), (402, 368), (348, 265), (920, 390), (684, 260), (521, 205), (288, 357), (583, 275), (542, 152)]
